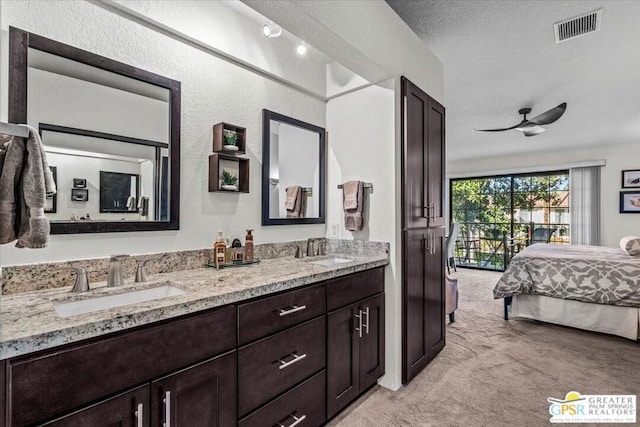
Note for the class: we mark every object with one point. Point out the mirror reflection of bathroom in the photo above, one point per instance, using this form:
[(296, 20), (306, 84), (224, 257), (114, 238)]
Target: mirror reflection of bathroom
[(109, 123), (295, 162)]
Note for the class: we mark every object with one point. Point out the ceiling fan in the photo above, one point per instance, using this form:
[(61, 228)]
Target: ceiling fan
[(533, 126)]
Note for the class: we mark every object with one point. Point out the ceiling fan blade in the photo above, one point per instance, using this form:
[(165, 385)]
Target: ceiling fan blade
[(550, 116), (503, 129)]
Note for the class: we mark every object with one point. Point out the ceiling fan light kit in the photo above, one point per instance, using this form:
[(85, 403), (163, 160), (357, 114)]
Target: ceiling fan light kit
[(533, 127)]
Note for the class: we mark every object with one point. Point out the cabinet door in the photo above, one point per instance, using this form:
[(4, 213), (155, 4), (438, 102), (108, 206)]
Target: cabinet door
[(435, 293), (414, 350), (200, 396), (130, 409), (435, 169), (343, 375), (415, 207), (372, 341), (423, 299)]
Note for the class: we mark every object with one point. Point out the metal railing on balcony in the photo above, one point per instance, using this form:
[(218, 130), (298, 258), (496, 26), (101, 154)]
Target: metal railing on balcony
[(491, 246)]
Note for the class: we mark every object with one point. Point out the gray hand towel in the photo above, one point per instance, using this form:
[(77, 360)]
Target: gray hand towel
[(37, 182), (9, 186), (294, 197), (353, 217)]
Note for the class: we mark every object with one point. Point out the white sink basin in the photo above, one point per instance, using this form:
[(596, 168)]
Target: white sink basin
[(331, 261), (73, 308)]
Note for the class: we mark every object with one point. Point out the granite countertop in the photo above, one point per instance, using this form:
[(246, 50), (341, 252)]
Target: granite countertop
[(29, 322)]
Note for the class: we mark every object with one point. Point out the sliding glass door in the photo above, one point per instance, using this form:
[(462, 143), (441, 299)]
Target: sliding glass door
[(500, 215)]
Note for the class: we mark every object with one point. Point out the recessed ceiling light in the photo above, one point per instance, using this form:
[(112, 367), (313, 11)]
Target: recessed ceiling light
[(271, 30), (301, 49)]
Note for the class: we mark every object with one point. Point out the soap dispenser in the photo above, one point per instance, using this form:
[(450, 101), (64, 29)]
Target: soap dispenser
[(220, 250), (248, 245)]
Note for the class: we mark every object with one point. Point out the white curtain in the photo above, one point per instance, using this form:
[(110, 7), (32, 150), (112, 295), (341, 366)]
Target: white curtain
[(584, 193)]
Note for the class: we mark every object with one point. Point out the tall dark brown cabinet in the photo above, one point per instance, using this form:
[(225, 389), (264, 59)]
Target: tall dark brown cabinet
[(423, 143)]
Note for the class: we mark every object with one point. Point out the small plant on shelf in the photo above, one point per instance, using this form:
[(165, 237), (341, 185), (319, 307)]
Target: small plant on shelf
[(229, 181), (230, 140)]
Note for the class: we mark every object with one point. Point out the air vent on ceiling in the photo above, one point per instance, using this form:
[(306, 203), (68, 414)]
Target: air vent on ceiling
[(578, 26)]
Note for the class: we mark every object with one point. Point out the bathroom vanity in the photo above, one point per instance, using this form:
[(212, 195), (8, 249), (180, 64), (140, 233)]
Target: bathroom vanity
[(284, 341)]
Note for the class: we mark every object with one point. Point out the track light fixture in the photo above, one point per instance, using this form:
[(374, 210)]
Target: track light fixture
[(271, 30)]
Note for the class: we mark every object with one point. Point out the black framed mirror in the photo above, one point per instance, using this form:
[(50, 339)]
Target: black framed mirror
[(293, 171), (115, 103)]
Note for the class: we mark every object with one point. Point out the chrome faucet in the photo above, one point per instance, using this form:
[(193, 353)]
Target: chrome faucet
[(322, 247), (311, 247), (141, 273), (82, 279), (299, 253), (115, 276)]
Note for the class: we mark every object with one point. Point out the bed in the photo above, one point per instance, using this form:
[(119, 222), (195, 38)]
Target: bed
[(588, 287)]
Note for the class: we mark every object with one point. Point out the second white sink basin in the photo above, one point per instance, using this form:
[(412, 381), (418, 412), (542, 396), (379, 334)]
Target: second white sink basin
[(331, 261), (73, 308)]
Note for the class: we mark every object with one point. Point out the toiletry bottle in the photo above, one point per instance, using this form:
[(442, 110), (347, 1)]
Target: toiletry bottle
[(220, 250), (248, 246)]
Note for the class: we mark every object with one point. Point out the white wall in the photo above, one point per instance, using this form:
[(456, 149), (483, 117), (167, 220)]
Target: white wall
[(213, 90), (618, 158), (364, 148)]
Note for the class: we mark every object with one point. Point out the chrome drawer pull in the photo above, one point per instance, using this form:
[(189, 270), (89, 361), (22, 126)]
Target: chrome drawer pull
[(366, 325), (359, 327), (293, 309), (167, 409), (297, 421), (296, 358), (139, 413)]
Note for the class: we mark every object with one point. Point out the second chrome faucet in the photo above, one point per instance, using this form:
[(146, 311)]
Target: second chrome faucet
[(312, 249), (116, 276)]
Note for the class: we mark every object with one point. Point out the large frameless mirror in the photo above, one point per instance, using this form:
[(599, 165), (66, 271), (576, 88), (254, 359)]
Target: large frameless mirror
[(110, 130)]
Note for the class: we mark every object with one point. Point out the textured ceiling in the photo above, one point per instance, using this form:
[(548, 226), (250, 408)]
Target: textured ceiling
[(500, 56)]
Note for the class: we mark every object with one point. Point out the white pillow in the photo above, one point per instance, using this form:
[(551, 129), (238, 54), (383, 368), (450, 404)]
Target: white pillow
[(630, 245)]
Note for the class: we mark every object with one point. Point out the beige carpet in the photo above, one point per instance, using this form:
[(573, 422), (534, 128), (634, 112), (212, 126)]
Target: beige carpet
[(500, 373)]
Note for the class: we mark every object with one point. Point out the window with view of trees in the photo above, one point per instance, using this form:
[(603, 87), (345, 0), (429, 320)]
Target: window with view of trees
[(500, 215)]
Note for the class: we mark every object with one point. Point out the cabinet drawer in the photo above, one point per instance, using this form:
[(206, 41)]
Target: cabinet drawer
[(306, 403), (270, 366), (53, 382), (265, 316), (354, 287)]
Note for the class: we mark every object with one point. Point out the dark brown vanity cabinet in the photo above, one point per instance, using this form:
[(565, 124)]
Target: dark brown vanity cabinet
[(79, 379), (262, 363), (355, 337), (281, 369)]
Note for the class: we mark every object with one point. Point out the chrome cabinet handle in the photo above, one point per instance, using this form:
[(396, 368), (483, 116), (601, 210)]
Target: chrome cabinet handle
[(293, 309), (297, 420), (366, 325), (296, 359), (433, 210), (359, 328), (167, 409), (433, 245), (139, 414)]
